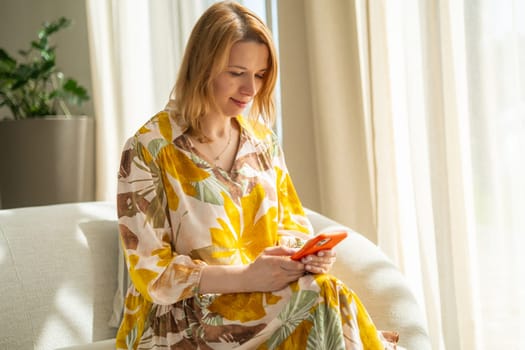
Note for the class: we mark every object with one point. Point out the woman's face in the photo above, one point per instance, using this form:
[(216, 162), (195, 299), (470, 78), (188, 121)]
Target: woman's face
[(238, 84)]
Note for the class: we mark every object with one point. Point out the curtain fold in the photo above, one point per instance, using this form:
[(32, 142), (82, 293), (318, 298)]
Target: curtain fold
[(495, 47), (339, 108), (135, 51), (417, 108), (457, 278), (104, 80)]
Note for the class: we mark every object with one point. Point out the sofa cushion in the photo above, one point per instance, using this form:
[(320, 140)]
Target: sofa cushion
[(58, 267), (109, 344)]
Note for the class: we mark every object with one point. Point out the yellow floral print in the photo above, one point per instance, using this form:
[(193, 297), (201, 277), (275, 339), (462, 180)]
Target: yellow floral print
[(244, 239), (165, 126), (287, 206), (243, 307)]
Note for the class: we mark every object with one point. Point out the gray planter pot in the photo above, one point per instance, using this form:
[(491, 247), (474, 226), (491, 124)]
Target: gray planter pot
[(47, 161)]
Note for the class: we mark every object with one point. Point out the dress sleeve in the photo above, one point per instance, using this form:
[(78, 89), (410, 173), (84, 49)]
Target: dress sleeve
[(157, 272), (293, 225)]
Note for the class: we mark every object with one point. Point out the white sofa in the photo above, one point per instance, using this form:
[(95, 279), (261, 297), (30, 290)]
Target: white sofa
[(59, 268)]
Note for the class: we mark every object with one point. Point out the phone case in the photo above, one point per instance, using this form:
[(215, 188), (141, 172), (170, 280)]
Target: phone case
[(322, 241)]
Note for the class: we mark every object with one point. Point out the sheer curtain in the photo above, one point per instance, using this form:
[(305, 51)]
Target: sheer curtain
[(135, 49), (422, 155), (457, 86), (496, 76), (437, 98)]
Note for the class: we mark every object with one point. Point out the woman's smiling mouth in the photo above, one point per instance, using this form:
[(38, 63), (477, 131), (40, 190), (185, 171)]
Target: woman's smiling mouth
[(241, 104)]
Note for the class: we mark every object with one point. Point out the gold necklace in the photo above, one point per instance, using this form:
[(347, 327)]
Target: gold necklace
[(218, 156)]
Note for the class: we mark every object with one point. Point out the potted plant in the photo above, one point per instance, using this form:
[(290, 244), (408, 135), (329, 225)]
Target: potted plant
[(47, 154)]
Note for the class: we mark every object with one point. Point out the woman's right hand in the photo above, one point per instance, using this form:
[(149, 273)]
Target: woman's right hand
[(273, 270)]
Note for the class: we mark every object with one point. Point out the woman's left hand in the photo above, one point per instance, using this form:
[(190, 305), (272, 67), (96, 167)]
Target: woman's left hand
[(321, 262)]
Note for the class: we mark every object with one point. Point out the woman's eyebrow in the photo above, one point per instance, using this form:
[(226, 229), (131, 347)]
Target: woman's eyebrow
[(242, 67)]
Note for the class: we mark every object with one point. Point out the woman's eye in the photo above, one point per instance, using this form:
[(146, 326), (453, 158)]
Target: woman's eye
[(259, 76), (236, 74)]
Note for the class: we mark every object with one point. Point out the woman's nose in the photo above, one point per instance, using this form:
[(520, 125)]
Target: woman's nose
[(248, 87)]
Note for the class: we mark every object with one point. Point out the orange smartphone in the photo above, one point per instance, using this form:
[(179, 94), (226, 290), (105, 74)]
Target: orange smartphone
[(322, 241)]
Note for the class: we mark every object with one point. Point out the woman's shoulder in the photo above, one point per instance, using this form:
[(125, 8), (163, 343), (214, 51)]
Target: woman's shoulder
[(160, 126), (159, 131), (257, 129)]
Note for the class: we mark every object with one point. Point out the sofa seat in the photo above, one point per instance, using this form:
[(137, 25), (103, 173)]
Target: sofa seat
[(59, 275)]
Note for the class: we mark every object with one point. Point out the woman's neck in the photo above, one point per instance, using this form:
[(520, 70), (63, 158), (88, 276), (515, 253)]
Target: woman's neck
[(216, 128)]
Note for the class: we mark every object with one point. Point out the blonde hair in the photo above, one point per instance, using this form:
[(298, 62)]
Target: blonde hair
[(207, 54)]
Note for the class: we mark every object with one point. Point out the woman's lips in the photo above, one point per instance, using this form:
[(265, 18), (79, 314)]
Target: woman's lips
[(239, 103)]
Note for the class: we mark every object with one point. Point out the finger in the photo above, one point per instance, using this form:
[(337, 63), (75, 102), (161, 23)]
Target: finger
[(316, 269), (315, 260), (319, 265), (325, 267), (327, 253), (292, 268), (294, 272), (289, 263), (293, 275), (279, 251)]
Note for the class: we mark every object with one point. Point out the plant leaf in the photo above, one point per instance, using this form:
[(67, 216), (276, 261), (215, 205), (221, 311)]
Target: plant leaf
[(7, 63), (53, 27), (34, 87), (75, 93)]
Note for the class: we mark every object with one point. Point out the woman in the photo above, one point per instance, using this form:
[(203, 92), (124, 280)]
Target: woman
[(209, 217)]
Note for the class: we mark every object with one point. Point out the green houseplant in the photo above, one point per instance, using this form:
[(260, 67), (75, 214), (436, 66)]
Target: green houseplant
[(47, 156), (34, 87)]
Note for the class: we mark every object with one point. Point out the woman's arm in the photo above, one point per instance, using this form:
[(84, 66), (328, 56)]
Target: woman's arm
[(157, 272), (271, 271)]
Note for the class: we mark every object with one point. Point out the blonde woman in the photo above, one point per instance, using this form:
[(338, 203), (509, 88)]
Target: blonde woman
[(209, 217)]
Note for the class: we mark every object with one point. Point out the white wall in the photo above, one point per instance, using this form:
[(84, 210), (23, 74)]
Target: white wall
[(20, 21)]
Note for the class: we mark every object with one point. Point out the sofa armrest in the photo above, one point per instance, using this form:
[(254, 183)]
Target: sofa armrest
[(382, 288), (58, 268)]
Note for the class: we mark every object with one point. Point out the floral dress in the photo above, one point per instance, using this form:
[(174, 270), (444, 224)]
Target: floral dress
[(178, 213)]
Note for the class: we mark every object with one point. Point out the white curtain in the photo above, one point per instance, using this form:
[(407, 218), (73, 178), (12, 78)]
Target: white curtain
[(495, 32), (456, 183), (135, 51), (422, 156), (436, 88)]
